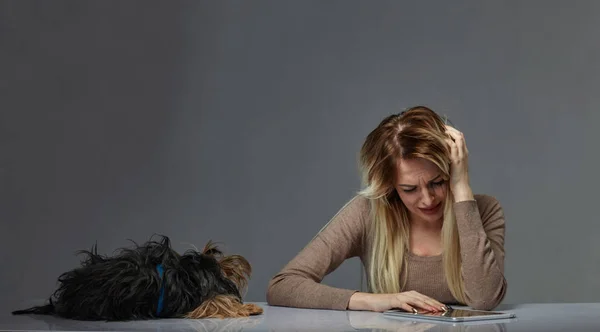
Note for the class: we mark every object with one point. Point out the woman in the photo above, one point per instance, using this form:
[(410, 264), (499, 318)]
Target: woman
[(424, 238)]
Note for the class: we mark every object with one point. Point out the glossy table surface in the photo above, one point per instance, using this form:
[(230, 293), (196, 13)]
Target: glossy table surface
[(530, 317)]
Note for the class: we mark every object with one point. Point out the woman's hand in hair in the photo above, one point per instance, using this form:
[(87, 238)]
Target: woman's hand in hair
[(459, 167), (406, 300)]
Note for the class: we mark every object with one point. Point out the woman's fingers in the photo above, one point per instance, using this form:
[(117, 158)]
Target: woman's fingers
[(420, 304), (451, 129), (453, 150), (433, 304), (419, 301), (407, 307), (458, 139)]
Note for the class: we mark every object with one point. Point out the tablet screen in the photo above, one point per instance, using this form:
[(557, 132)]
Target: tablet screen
[(460, 313), (454, 315)]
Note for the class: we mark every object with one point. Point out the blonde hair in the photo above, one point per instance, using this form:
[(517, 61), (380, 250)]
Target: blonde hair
[(415, 133)]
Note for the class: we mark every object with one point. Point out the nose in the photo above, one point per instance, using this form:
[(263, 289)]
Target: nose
[(427, 196)]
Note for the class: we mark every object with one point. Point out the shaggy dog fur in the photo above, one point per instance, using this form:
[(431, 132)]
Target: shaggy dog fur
[(152, 281)]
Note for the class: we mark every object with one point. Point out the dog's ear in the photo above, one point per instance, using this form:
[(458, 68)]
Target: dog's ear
[(237, 269), (224, 306), (234, 267), (211, 249)]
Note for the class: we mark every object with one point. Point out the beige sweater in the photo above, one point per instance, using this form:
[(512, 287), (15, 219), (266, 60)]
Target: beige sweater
[(481, 233)]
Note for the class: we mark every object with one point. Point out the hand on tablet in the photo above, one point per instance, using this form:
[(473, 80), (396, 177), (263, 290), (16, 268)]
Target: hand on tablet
[(409, 301)]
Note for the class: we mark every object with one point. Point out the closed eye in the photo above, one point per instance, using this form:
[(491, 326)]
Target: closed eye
[(431, 184), (409, 188), (438, 183)]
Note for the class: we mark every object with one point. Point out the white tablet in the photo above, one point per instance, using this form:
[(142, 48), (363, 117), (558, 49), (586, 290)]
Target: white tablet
[(453, 315)]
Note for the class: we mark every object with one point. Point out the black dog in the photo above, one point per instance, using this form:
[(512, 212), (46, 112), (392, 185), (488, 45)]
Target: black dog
[(152, 281)]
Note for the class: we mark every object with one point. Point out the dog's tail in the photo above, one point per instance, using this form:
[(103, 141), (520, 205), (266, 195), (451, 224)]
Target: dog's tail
[(47, 309), (224, 306)]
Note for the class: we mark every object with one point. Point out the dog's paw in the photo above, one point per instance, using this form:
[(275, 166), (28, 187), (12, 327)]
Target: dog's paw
[(224, 306), (253, 309)]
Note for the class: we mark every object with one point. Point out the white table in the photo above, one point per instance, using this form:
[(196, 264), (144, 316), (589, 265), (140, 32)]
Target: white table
[(530, 317)]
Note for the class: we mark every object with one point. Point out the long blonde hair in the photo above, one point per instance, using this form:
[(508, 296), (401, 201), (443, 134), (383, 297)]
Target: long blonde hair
[(415, 133)]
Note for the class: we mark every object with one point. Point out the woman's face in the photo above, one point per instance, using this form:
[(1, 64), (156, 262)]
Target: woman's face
[(421, 187)]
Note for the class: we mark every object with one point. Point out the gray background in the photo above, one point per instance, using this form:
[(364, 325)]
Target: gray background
[(240, 122)]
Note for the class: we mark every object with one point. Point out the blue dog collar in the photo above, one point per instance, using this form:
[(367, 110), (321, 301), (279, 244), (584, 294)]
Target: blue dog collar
[(161, 297)]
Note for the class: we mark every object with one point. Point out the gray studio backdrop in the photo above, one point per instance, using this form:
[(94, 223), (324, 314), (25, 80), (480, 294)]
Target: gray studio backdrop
[(240, 122)]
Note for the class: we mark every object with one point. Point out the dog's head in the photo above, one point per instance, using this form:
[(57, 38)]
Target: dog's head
[(208, 273), (234, 267)]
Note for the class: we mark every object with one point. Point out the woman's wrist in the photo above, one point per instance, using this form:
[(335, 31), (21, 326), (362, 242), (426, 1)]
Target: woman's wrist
[(360, 301), (369, 301), (462, 193)]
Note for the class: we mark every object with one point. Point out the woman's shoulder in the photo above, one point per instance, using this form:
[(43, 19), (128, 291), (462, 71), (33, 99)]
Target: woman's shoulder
[(349, 222), (357, 207), (359, 202)]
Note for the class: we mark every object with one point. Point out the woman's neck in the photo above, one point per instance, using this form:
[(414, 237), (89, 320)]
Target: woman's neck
[(426, 226)]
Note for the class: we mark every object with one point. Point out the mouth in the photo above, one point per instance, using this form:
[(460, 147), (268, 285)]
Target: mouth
[(431, 210)]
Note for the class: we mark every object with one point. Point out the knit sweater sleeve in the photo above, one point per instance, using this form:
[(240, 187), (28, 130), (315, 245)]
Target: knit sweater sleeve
[(481, 234), (298, 284)]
